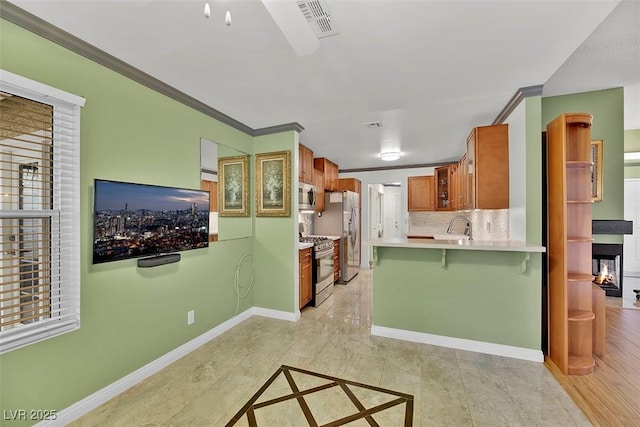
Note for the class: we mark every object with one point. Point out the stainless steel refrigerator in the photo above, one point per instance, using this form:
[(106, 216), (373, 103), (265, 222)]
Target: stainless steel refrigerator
[(341, 217)]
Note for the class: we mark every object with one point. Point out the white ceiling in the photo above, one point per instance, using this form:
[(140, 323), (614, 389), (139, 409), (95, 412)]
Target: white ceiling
[(428, 70)]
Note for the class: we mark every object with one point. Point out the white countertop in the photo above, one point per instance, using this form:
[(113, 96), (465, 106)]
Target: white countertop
[(304, 245), (474, 245)]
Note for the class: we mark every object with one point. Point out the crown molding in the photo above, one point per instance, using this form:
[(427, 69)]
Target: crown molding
[(394, 167), (516, 99), (279, 128)]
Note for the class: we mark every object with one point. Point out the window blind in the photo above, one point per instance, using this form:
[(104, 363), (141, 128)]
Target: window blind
[(39, 214)]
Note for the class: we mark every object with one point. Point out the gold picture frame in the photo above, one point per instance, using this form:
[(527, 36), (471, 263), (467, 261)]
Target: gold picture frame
[(596, 170), (233, 194), (273, 189)]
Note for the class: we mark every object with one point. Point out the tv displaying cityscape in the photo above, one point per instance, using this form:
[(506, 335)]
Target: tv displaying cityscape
[(136, 220)]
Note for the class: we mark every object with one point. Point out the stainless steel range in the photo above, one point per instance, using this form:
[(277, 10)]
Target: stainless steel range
[(322, 267)]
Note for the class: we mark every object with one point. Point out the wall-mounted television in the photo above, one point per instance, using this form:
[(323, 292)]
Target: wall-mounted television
[(136, 220)]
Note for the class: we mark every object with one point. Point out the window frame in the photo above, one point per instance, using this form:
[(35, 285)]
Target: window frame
[(65, 242)]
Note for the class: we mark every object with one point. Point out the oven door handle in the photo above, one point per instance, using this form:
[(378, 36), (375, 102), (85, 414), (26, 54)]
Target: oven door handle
[(324, 253)]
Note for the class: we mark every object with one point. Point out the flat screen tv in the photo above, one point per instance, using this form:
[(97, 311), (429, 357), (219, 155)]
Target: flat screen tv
[(137, 220)]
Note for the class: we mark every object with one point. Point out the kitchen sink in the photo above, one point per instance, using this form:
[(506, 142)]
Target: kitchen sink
[(450, 236)]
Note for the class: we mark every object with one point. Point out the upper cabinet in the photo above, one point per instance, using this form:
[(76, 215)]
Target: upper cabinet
[(330, 171), (318, 181), (443, 177), (421, 192), (350, 184), (305, 164), (488, 168), (479, 180)]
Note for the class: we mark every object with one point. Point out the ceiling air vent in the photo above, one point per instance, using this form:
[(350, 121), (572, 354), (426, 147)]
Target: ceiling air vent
[(318, 17), (373, 125)]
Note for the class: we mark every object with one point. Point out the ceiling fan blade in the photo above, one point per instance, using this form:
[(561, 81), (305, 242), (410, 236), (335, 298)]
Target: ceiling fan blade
[(293, 25)]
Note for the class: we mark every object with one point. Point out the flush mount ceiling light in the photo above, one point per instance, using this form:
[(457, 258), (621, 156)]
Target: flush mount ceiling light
[(390, 156)]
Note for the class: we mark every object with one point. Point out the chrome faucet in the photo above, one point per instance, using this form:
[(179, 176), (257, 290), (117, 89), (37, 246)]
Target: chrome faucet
[(467, 230)]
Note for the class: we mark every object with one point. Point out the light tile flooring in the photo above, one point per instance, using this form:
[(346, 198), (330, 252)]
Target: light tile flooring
[(450, 387)]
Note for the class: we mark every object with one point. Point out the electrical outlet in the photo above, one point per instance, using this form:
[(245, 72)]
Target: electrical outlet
[(191, 317), (488, 226)]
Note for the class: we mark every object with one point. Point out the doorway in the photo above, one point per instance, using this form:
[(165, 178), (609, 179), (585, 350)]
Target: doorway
[(631, 247), (385, 213), (392, 215)]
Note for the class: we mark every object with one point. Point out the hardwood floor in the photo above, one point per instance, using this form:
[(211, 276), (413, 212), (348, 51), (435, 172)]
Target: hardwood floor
[(610, 396)]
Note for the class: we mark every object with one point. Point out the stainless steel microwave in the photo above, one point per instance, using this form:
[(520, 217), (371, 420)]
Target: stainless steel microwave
[(306, 196)]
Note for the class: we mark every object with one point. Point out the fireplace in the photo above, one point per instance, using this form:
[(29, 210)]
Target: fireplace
[(607, 267)]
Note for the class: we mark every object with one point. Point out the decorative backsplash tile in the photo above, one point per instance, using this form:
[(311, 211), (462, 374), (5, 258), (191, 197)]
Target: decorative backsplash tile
[(487, 224)]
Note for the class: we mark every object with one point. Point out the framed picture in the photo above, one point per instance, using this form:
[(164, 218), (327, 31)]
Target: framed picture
[(596, 170), (273, 176), (233, 194)]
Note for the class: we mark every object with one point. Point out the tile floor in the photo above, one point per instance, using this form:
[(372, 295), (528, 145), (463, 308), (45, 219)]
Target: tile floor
[(450, 387)]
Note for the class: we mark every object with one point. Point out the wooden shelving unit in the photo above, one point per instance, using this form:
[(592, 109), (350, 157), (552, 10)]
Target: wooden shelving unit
[(572, 317)]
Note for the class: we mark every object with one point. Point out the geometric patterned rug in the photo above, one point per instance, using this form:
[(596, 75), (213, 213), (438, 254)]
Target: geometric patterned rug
[(297, 397)]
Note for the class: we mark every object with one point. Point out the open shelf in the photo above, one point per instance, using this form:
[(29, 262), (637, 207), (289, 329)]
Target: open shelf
[(580, 315), (581, 365), (579, 239), (580, 277)]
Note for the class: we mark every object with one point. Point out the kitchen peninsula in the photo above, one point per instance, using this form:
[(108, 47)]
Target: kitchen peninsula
[(473, 295)]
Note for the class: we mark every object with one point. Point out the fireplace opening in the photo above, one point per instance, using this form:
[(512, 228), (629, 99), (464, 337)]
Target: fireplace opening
[(607, 267)]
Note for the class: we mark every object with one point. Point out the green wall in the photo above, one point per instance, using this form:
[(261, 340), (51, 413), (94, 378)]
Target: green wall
[(632, 144), (276, 239), (131, 316), (480, 296), (631, 140), (632, 172), (533, 113), (607, 108)]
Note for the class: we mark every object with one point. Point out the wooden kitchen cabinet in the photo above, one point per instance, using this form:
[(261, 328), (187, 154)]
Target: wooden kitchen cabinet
[(305, 165), (443, 190), (330, 171), (350, 184), (488, 168), (572, 303), (318, 181), (454, 189), (421, 193), (336, 261), (306, 288), (461, 182)]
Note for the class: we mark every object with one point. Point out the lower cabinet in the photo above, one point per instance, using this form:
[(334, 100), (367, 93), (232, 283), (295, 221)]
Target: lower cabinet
[(306, 291), (336, 260)]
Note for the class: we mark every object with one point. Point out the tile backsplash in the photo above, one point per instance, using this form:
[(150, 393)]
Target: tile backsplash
[(306, 220), (487, 224)]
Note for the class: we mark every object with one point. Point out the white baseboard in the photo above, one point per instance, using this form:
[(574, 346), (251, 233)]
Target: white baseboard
[(276, 314), (460, 343), (91, 402)]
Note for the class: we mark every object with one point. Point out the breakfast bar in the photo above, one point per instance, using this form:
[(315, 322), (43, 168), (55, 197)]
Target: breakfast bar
[(482, 296)]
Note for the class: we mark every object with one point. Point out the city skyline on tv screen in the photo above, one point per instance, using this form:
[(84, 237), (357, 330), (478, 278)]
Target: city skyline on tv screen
[(134, 220)]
